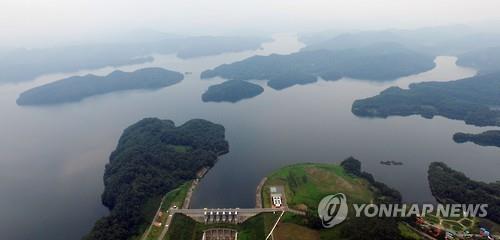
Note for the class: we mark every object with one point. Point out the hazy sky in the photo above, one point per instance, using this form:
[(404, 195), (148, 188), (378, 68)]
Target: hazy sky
[(25, 21)]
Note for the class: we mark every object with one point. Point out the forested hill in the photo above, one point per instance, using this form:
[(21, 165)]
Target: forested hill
[(231, 91), (76, 88), (153, 157), (450, 186), (26, 64), (486, 60), (475, 100), (488, 138), (380, 62)]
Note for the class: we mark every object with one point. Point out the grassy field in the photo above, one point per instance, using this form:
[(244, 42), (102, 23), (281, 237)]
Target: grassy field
[(306, 184), (181, 148), (257, 227), (292, 231), (408, 233)]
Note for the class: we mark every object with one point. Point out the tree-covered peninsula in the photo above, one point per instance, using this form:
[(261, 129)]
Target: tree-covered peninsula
[(77, 88), (231, 91), (379, 62), (475, 100), (306, 184), (450, 186), (153, 157), (488, 138)]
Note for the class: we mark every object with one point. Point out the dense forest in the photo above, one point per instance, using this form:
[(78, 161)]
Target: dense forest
[(231, 91), (379, 62), (76, 88), (488, 138), (474, 100), (153, 157), (450, 186)]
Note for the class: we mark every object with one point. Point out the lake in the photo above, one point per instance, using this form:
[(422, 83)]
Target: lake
[(52, 158)]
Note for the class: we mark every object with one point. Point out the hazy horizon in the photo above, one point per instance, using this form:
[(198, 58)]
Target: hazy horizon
[(46, 23)]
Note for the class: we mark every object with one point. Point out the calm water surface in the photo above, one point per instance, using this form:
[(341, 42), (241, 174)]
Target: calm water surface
[(52, 158)]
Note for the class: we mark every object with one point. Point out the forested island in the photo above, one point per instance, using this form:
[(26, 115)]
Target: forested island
[(153, 157), (450, 186), (26, 64), (379, 62), (488, 138), (231, 91), (474, 100), (77, 88)]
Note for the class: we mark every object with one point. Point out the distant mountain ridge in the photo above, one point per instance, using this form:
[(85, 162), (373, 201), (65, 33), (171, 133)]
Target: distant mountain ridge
[(379, 62), (26, 64), (486, 60), (445, 40)]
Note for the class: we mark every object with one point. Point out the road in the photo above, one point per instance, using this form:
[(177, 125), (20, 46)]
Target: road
[(167, 224), (145, 235), (258, 194)]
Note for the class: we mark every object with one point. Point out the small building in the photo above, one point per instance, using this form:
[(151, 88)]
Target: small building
[(277, 195), (277, 202)]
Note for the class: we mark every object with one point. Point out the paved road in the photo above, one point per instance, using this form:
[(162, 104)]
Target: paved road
[(189, 195), (258, 194), (167, 224), (145, 235), (241, 211)]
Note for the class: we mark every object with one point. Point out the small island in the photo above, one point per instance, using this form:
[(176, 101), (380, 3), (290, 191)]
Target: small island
[(450, 186), (77, 88), (231, 91), (488, 138), (378, 62), (474, 100), (391, 163), (152, 158)]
